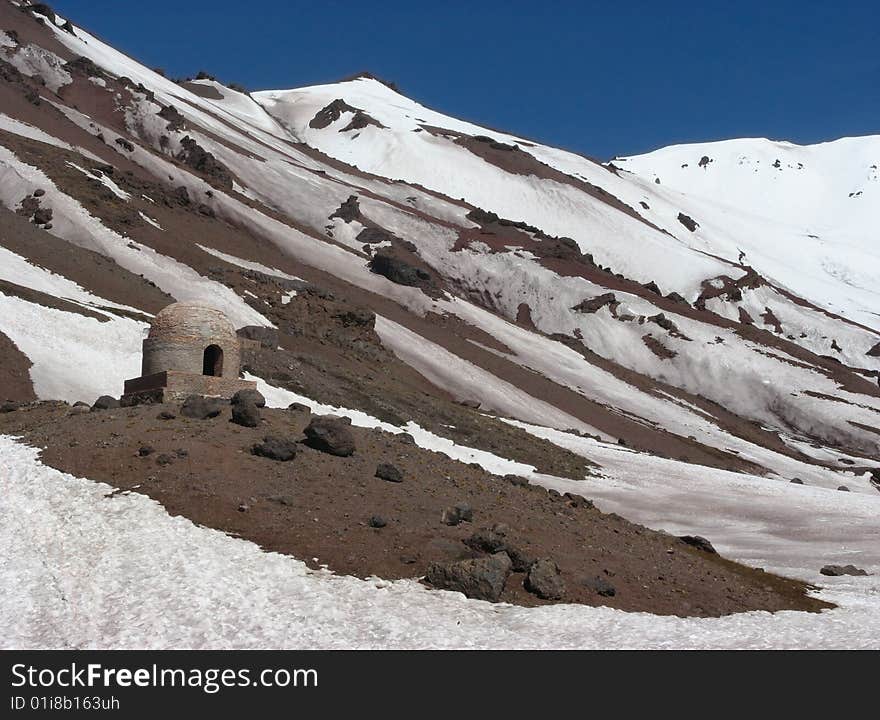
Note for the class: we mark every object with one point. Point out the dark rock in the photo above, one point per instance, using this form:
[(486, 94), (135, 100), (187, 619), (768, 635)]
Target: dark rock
[(200, 407), (676, 297), (299, 407), (195, 156), (688, 222), (124, 144), (498, 539), (516, 480), (874, 351), (39, 192), (166, 415), (181, 452), (246, 413), (105, 402), (544, 580), (838, 570), (330, 435), (42, 216), (843, 488), (594, 304), (652, 286), (698, 542), (250, 395), (387, 471), (480, 579), (457, 514), (406, 439), (9, 407), (348, 211), (796, 481), (373, 235), (398, 271), (377, 521), (175, 120), (600, 586), (275, 448), (83, 66), (164, 459), (145, 450)]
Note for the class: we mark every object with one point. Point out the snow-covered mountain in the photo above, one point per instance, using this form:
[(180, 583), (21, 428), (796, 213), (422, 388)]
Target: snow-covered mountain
[(712, 304)]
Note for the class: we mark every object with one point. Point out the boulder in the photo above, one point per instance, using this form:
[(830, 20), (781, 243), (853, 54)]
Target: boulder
[(200, 407), (544, 580), (838, 570), (8, 407), (698, 542), (299, 407), (246, 413), (331, 435), (387, 471), (600, 586), (275, 448), (105, 402), (250, 395), (480, 578), (457, 514)]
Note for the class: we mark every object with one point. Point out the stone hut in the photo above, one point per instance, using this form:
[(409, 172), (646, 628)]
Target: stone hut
[(191, 349)]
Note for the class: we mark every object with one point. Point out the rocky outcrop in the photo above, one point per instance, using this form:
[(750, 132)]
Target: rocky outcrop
[(196, 157)]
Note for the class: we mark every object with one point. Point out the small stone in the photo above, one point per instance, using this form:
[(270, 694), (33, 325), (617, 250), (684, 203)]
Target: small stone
[(843, 488), (166, 415), (796, 481), (9, 407), (145, 450), (377, 521), (164, 459), (243, 507), (406, 438), (39, 192), (299, 407), (181, 452), (516, 480), (387, 471)]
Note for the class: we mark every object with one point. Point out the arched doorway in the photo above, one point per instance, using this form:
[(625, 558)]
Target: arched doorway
[(212, 361)]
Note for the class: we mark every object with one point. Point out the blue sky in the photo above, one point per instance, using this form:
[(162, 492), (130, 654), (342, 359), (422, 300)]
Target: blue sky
[(600, 78)]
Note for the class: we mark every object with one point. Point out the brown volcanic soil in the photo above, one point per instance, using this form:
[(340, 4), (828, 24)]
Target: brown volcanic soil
[(15, 379), (317, 508)]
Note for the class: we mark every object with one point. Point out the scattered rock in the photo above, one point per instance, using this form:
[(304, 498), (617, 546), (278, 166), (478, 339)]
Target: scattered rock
[(398, 271), (387, 471), (275, 448), (79, 410), (838, 570), (164, 459), (594, 304), (457, 514), (246, 413), (479, 579), (42, 216), (601, 586), (330, 434), (299, 407), (796, 481), (843, 488), (8, 407), (105, 402), (544, 580), (244, 507), (145, 450), (498, 539), (377, 521), (166, 415), (406, 439), (200, 407), (699, 542), (39, 192), (516, 480)]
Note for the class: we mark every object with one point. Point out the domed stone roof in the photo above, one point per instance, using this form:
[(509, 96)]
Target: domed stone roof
[(191, 320)]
